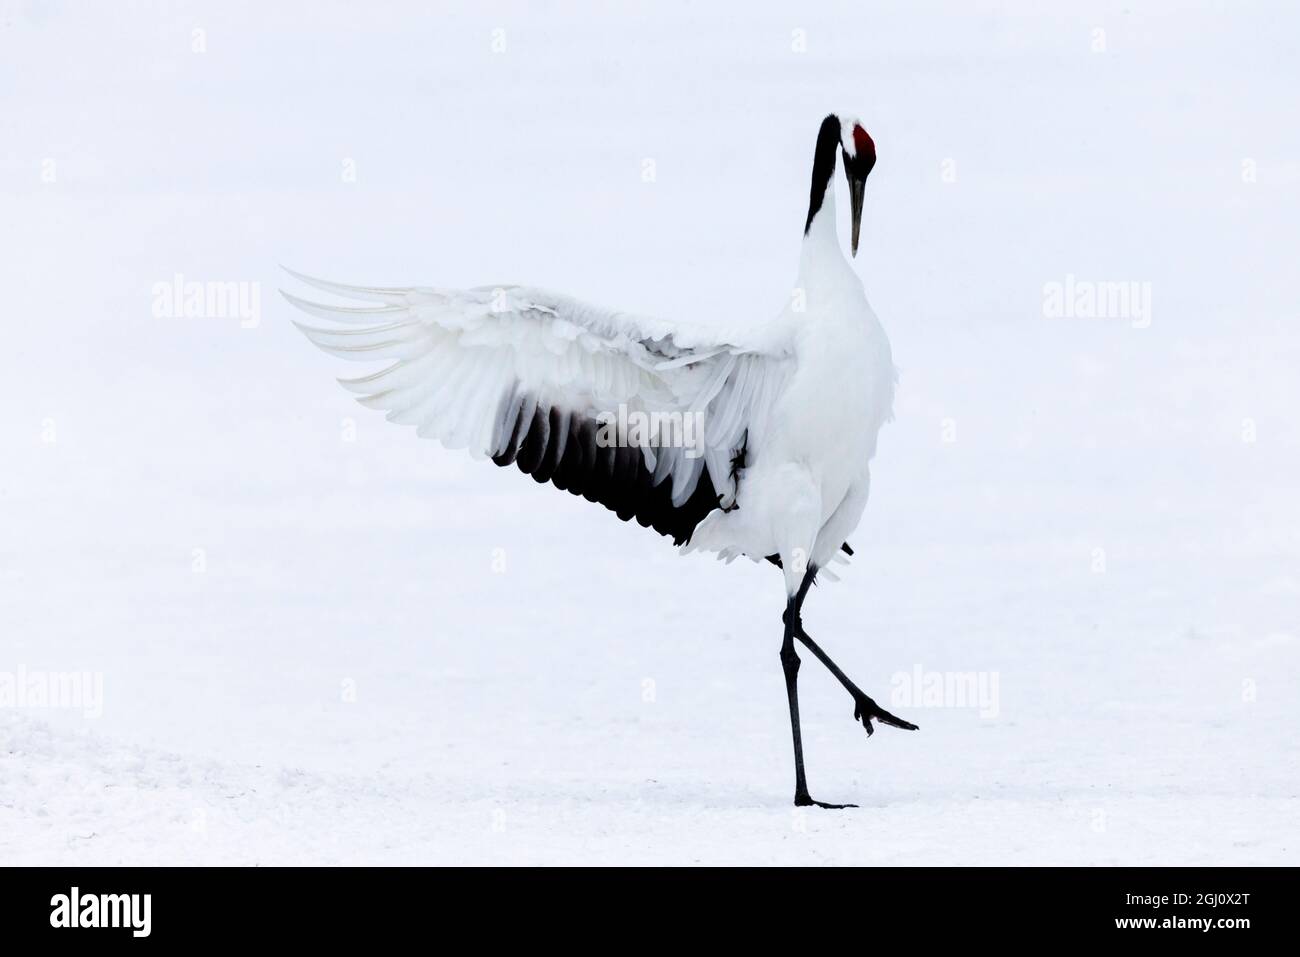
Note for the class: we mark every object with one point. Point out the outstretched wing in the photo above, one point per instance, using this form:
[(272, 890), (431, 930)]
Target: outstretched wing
[(649, 418)]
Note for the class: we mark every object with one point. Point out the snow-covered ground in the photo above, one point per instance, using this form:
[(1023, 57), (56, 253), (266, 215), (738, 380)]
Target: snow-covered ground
[(322, 640)]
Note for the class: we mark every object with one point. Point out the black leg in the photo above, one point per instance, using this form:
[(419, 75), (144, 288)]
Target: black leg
[(864, 708), (790, 665)]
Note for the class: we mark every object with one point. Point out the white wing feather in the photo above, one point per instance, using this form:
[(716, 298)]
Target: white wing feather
[(467, 365)]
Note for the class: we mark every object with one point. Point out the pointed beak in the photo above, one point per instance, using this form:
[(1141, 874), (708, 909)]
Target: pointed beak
[(857, 187)]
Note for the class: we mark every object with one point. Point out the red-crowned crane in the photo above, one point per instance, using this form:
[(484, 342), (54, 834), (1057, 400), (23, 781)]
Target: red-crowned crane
[(600, 403)]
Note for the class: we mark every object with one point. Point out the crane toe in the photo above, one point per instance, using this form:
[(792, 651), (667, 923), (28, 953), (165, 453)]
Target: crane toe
[(865, 709), (803, 800)]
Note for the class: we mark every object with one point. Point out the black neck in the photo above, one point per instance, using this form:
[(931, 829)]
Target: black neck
[(828, 141)]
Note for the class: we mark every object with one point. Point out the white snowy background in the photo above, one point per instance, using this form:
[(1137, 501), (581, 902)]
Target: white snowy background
[(307, 651)]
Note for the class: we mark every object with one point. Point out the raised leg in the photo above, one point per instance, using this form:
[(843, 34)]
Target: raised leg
[(864, 708)]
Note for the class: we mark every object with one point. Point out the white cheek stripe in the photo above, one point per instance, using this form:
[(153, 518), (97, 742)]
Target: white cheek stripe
[(846, 135)]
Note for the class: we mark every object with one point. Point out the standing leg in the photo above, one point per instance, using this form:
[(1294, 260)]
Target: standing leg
[(790, 665)]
